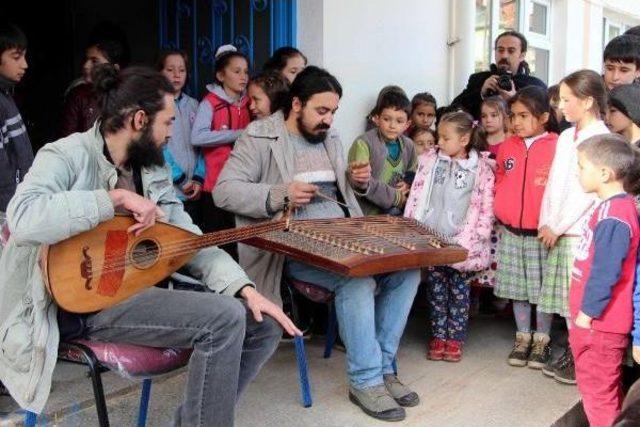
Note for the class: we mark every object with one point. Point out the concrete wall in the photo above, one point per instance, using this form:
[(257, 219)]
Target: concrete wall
[(368, 45)]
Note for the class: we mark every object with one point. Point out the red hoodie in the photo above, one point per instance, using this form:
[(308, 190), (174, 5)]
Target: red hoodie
[(521, 177), (225, 116)]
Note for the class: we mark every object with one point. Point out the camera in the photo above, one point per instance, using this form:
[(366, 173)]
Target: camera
[(504, 80)]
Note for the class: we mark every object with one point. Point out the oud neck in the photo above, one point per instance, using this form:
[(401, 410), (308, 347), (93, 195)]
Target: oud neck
[(235, 235)]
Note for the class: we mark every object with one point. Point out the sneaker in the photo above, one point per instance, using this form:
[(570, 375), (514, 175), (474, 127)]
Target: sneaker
[(377, 403), (521, 348), (565, 372), (540, 351), (400, 392), (550, 368), (453, 351), (436, 349)]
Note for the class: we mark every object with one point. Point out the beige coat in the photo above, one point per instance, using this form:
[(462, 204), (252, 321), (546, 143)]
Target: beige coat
[(263, 161)]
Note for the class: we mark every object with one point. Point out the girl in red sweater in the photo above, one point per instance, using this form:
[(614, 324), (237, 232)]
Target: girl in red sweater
[(523, 165), (221, 117)]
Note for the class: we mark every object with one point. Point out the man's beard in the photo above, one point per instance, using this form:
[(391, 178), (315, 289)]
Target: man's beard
[(313, 138), (504, 65), (143, 152)]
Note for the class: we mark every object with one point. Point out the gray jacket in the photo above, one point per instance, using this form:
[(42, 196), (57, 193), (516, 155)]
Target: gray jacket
[(66, 193), (261, 162)]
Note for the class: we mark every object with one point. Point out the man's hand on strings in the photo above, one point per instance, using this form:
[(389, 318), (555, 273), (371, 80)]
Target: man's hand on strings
[(301, 193), (144, 211)]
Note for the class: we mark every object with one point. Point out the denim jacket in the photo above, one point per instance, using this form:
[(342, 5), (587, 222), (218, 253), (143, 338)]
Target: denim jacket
[(66, 193)]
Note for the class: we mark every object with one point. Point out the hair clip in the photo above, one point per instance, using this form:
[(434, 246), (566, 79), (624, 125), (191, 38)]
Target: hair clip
[(474, 124), (224, 49)]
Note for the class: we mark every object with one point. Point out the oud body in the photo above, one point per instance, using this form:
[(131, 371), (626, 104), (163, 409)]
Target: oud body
[(101, 267)]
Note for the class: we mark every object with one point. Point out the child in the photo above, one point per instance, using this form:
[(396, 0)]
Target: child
[(493, 117), (523, 165), (186, 161), (286, 61), (565, 207), (80, 108), (423, 110), (602, 278), (383, 92), (221, 116), (452, 194), (391, 155), (554, 100), (623, 116), (423, 139), (621, 61), (267, 92), (16, 154)]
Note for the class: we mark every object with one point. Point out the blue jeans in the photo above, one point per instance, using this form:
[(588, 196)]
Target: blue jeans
[(372, 313)]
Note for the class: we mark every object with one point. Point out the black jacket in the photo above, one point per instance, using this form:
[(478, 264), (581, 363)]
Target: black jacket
[(470, 99), (16, 154)]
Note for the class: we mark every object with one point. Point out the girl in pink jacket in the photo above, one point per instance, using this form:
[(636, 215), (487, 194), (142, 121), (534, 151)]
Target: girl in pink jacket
[(452, 194)]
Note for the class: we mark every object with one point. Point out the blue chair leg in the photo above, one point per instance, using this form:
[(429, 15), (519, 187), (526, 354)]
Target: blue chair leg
[(30, 419), (144, 402), (332, 331), (301, 358)]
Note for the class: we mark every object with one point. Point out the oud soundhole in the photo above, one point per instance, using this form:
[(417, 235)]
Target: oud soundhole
[(145, 253)]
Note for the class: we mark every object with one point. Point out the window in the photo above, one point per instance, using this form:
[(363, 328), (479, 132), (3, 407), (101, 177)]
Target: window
[(530, 17), (483, 35), (255, 27), (611, 29)]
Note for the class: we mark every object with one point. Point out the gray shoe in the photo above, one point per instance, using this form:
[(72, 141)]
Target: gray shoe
[(377, 402), (400, 392)]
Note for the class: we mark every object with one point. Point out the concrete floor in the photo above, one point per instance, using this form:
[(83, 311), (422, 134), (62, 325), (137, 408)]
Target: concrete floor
[(482, 390)]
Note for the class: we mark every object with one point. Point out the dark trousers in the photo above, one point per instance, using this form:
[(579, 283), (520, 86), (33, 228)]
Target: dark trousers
[(229, 346)]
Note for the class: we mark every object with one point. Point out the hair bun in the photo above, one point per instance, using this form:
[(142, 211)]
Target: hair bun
[(105, 78), (226, 48)]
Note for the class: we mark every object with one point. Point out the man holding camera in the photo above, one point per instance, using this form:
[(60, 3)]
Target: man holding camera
[(509, 74)]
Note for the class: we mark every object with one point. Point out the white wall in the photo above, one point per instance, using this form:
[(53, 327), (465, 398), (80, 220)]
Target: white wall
[(368, 45)]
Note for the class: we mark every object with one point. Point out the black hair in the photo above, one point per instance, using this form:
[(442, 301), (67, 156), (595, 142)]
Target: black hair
[(536, 100), (121, 94), (553, 92), (465, 124), (223, 59), (112, 50), (613, 151), (624, 48), (310, 81), (394, 100), (280, 57), (423, 98), (519, 36), (634, 31), (11, 37), (112, 41), (275, 87), (587, 83), (164, 54)]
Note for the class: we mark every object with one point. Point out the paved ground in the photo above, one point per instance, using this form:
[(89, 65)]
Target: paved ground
[(482, 390)]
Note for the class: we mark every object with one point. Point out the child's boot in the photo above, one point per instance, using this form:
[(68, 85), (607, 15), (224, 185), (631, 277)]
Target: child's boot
[(453, 351), (565, 371), (521, 348), (540, 351), (436, 349)]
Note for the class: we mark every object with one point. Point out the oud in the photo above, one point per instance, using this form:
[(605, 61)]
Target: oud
[(106, 265)]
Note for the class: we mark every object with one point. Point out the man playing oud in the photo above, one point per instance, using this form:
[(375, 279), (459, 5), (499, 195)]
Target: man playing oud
[(82, 180)]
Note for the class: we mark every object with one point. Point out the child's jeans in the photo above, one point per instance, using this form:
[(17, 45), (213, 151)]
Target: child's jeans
[(598, 359), (448, 294)]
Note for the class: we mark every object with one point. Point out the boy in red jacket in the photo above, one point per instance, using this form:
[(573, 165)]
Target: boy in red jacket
[(600, 297)]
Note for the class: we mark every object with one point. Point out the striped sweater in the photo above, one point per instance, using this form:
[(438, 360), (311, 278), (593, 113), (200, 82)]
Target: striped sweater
[(16, 154)]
